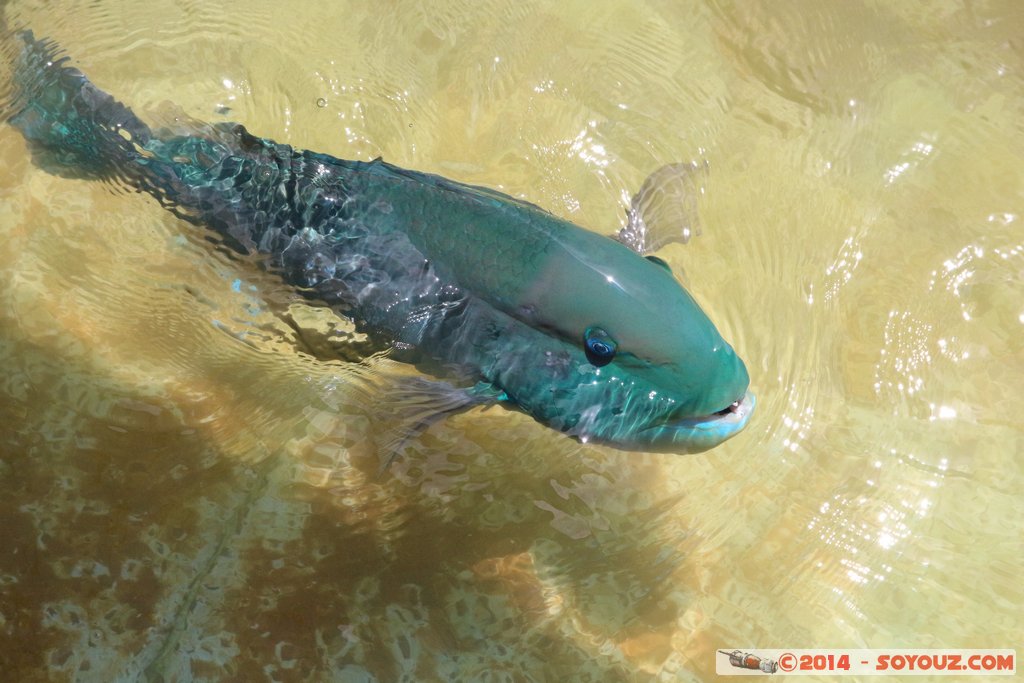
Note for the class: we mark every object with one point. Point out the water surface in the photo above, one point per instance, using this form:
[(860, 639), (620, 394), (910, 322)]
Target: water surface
[(189, 485)]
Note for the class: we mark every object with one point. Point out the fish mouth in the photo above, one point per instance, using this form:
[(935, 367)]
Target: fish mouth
[(700, 433), (738, 409), (735, 414)]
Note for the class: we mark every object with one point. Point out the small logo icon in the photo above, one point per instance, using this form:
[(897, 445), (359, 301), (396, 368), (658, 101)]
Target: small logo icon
[(745, 660)]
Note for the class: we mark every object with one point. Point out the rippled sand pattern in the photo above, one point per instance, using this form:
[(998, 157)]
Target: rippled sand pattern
[(189, 489)]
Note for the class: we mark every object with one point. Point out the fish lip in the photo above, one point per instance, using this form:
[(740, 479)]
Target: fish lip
[(686, 435), (735, 415)]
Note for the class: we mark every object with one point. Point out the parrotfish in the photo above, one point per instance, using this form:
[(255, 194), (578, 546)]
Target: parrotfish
[(494, 298)]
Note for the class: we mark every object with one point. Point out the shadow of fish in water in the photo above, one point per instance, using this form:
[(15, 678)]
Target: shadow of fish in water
[(499, 300)]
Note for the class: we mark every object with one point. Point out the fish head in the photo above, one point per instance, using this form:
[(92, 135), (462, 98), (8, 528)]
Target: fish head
[(629, 357)]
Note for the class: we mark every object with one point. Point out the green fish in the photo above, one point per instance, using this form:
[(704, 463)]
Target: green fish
[(494, 298)]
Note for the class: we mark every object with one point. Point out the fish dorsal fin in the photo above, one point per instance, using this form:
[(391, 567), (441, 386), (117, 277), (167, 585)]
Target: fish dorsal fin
[(169, 119), (664, 209)]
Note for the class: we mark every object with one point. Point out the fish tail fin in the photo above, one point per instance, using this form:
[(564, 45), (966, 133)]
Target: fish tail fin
[(74, 127)]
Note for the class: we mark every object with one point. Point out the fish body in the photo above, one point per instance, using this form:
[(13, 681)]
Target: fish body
[(573, 328)]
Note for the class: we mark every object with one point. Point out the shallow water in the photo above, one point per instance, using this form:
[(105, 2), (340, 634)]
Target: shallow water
[(189, 486)]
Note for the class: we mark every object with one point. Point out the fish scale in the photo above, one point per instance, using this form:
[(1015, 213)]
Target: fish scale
[(487, 291)]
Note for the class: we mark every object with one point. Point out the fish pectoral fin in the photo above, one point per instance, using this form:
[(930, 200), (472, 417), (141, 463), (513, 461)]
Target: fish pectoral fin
[(664, 209), (413, 404)]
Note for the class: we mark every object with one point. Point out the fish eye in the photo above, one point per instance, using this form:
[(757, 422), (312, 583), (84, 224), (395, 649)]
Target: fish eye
[(599, 346), (660, 262)]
